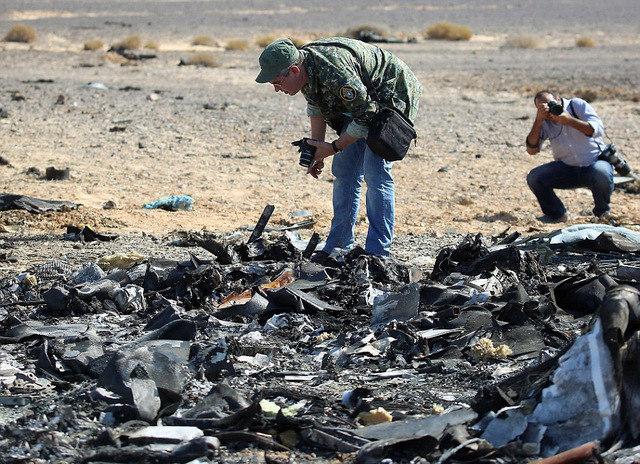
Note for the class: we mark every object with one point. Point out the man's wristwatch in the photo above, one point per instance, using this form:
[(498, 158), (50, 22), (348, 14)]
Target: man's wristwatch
[(334, 145)]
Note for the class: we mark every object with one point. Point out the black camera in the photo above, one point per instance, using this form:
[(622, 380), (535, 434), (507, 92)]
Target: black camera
[(617, 161), (555, 108), (307, 152)]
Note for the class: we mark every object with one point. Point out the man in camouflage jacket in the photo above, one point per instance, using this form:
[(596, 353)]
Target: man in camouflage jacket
[(328, 73)]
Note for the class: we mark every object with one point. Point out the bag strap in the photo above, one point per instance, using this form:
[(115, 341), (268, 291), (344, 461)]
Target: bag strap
[(366, 79), (575, 115), (364, 74)]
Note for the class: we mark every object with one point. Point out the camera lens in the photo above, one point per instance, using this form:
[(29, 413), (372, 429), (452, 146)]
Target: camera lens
[(555, 108), (618, 162), (307, 152), (623, 168), (306, 157)]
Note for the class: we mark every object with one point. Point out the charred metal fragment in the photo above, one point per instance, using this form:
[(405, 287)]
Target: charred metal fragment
[(311, 246), (515, 389), (620, 317), (580, 296), (224, 252), (261, 224), (469, 250), (161, 274)]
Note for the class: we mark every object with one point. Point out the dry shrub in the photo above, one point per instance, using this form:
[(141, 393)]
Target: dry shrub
[(236, 44), (265, 40), (20, 33), (202, 40), (366, 31), (93, 44), (133, 42), (299, 41), (448, 31), (588, 95), (115, 58), (585, 41), (203, 59), (524, 41), (151, 45)]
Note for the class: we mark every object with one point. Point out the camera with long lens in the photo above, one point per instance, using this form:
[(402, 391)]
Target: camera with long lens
[(618, 162), (555, 108), (307, 152)]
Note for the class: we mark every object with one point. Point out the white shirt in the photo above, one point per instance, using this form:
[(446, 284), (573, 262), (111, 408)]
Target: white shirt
[(569, 145)]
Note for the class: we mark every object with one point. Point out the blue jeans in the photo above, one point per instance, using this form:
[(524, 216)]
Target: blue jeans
[(350, 167), (556, 175)]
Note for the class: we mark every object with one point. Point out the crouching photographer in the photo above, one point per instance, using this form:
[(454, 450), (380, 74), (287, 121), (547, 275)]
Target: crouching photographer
[(574, 131)]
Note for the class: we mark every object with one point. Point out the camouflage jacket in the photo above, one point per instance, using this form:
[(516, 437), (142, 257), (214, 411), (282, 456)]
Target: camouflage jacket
[(336, 85)]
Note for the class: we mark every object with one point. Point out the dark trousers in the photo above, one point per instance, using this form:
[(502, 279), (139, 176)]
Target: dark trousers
[(544, 179)]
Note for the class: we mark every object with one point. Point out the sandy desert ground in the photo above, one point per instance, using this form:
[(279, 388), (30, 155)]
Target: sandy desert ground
[(157, 129)]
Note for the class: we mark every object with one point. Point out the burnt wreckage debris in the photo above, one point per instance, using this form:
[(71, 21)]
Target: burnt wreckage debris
[(249, 352)]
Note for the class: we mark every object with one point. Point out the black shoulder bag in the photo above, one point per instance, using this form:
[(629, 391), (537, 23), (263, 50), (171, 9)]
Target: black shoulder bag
[(390, 131)]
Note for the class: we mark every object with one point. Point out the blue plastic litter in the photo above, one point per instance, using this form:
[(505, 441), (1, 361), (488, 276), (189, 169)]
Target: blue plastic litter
[(172, 203)]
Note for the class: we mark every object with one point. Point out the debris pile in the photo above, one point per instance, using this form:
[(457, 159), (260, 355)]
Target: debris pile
[(510, 351)]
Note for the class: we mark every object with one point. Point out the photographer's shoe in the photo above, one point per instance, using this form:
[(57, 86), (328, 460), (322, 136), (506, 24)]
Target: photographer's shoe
[(609, 218), (546, 219)]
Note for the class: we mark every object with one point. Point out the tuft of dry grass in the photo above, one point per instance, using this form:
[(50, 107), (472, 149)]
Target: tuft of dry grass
[(588, 95), (202, 40), (21, 33), (132, 42), (585, 41), (524, 41), (203, 59), (93, 45), (265, 40), (299, 41), (236, 44), (447, 31), (151, 45), (366, 31)]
